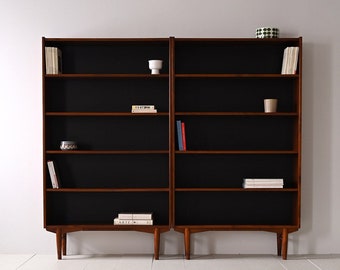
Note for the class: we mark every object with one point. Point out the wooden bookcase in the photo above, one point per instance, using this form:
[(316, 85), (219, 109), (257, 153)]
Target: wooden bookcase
[(122, 162), (129, 162)]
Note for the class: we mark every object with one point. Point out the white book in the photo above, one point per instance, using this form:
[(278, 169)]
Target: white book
[(263, 180), (59, 62), (53, 174), (143, 107), (135, 216), (142, 216), (118, 221), (144, 111), (125, 216), (262, 186), (284, 61), (295, 59), (290, 60), (54, 60)]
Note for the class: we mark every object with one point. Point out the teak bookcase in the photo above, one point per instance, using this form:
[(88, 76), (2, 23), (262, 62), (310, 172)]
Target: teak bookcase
[(127, 162)]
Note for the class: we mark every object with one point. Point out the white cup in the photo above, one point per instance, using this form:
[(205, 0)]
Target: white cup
[(270, 105)]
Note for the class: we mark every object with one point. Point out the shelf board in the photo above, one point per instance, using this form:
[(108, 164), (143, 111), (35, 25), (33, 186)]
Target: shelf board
[(105, 114), (240, 227), (107, 152), (238, 152), (108, 75), (236, 114), (226, 75), (236, 189), (101, 190)]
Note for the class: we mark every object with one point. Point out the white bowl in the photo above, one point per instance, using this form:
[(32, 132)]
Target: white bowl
[(155, 66)]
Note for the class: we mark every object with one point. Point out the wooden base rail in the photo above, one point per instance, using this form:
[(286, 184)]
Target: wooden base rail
[(62, 231), (282, 242)]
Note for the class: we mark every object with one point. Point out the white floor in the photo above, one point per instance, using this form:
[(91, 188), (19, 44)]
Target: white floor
[(146, 262)]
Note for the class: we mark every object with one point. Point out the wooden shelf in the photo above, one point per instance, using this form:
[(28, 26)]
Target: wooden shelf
[(107, 152), (103, 76), (236, 189), (99, 114), (98, 190), (236, 114), (237, 152), (241, 76)]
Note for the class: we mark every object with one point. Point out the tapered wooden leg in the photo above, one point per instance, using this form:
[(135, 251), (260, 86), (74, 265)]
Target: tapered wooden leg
[(59, 236), (187, 243), (279, 243), (284, 243), (63, 243), (156, 243)]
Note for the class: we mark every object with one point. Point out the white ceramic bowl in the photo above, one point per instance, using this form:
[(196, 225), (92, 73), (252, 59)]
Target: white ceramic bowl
[(155, 66)]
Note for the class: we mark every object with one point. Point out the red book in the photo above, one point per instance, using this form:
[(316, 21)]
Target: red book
[(184, 141)]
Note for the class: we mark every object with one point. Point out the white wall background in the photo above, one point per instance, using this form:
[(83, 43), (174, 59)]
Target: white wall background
[(24, 22)]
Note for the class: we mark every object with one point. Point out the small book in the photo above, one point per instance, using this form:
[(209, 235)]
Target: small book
[(48, 60), (135, 216), (143, 109), (263, 183), (53, 174), (118, 221), (184, 140), (179, 135), (261, 186)]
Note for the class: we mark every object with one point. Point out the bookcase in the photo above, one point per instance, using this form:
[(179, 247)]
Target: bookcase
[(128, 162), (122, 160)]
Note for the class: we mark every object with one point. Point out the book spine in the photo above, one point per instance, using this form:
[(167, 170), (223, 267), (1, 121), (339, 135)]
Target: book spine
[(263, 181), (125, 216), (146, 216), (184, 140), (144, 111), (143, 107), (284, 61), (262, 186), (179, 135), (59, 62), (295, 59), (48, 60), (118, 221), (54, 60)]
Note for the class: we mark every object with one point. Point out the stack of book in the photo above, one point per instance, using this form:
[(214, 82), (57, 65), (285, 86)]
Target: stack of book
[(53, 60), (143, 109), (263, 183), (133, 219), (290, 60), (181, 139)]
